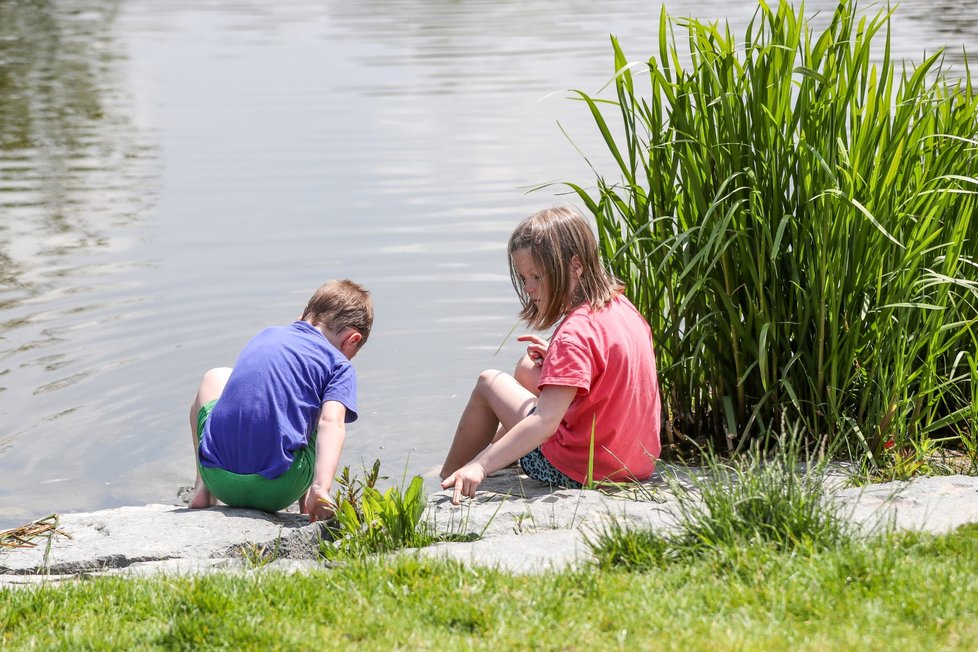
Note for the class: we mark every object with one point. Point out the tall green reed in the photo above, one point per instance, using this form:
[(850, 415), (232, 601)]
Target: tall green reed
[(796, 222)]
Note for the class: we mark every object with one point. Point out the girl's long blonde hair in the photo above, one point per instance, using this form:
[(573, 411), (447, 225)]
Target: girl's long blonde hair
[(553, 237)]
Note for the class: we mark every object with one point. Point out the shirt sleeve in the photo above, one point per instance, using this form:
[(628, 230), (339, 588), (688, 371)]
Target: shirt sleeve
[(342, 387), (567, 363)]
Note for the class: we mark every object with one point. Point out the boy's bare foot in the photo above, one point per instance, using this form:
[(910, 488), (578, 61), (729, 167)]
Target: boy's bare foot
[(202, 498)]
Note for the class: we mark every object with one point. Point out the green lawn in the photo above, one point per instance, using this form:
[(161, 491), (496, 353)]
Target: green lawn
[(905, 591)]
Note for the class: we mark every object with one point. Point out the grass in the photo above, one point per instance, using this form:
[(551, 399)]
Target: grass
[(761, 500), (797, 224), (916, 589)]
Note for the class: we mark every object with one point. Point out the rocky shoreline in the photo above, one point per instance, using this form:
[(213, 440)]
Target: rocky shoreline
[(514, 523)]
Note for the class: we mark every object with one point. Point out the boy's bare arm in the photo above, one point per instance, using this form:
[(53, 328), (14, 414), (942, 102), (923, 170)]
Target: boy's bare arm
[(329, 444)]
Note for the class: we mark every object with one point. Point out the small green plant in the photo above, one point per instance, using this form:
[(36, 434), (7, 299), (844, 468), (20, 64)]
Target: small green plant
[(368, 521), (352, 487), (385, 521), (519, 519), (904, 460), (256, 555)]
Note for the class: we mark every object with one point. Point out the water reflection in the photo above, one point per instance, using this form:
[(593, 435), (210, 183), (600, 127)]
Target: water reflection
[(459, 46), (954, 18), (66, 152), (175, 175), (74, 181)]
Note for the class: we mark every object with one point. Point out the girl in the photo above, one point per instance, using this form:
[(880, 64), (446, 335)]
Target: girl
[(595, 379)]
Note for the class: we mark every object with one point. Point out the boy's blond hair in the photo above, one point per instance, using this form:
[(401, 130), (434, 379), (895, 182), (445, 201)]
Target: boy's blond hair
[(341, 304)]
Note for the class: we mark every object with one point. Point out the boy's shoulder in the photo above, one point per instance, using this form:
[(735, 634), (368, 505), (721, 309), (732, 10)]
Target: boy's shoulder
[(299, 336), (298, 328)]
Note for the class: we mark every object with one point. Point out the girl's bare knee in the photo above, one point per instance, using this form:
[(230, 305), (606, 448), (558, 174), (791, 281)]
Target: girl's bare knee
[(527, 374), (486, 380)]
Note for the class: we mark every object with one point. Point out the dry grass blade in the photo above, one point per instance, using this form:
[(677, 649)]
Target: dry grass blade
[(24, 535)]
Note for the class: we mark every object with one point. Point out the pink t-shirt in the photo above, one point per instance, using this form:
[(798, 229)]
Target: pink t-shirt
[(607, 354)]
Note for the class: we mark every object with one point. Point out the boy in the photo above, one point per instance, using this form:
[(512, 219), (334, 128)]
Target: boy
[(270, 431)]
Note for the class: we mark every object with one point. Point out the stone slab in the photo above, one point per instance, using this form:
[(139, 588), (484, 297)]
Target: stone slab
[(517, 525), (933, 504), (120, 537)]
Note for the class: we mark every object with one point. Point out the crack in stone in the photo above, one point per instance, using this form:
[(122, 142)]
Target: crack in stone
[(99, 564)]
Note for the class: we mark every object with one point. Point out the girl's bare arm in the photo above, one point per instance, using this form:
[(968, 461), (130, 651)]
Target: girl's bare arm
[(520, 440)]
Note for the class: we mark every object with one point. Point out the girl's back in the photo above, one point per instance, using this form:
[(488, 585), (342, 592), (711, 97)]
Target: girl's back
[(607, 354)]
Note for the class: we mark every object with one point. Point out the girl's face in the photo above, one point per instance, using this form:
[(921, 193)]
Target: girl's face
[(534, 283)]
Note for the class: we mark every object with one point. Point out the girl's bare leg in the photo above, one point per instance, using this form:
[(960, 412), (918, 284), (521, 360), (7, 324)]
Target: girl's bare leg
[(210, 389), (527, 374), (498, 399)]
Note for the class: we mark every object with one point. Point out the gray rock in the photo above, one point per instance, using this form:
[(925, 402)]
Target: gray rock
[(513, 523), (933, 504), (119, 538)]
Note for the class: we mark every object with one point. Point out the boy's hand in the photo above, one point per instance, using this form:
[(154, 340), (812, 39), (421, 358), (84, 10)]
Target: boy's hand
[(318, 504), (466, 480), (536, 349)]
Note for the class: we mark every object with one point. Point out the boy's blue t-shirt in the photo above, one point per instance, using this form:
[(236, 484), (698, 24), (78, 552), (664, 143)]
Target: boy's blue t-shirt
[(271, 403)]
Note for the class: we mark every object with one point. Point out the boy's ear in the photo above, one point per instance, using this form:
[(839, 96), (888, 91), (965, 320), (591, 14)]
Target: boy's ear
[(351, 342), (347, 340)]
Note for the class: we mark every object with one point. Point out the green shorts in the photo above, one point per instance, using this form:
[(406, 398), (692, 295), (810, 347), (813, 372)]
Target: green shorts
[(252, 489)]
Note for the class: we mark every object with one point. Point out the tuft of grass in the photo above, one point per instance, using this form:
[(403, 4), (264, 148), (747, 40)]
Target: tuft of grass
[(756, 500), (796, 222), (760, 501), (619, 546), (257, 555)]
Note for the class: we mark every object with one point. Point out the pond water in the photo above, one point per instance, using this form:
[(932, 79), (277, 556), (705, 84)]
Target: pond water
[(176, 176)]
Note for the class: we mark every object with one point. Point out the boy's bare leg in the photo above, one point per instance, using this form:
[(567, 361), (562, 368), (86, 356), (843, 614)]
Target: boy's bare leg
[(497, 400), (210, 389)]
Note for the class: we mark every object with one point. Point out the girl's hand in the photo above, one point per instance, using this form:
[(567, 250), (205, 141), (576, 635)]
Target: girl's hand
[(536, 350), (466, 480)]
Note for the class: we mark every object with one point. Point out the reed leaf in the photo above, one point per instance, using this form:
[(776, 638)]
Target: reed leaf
[(793, 213)]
